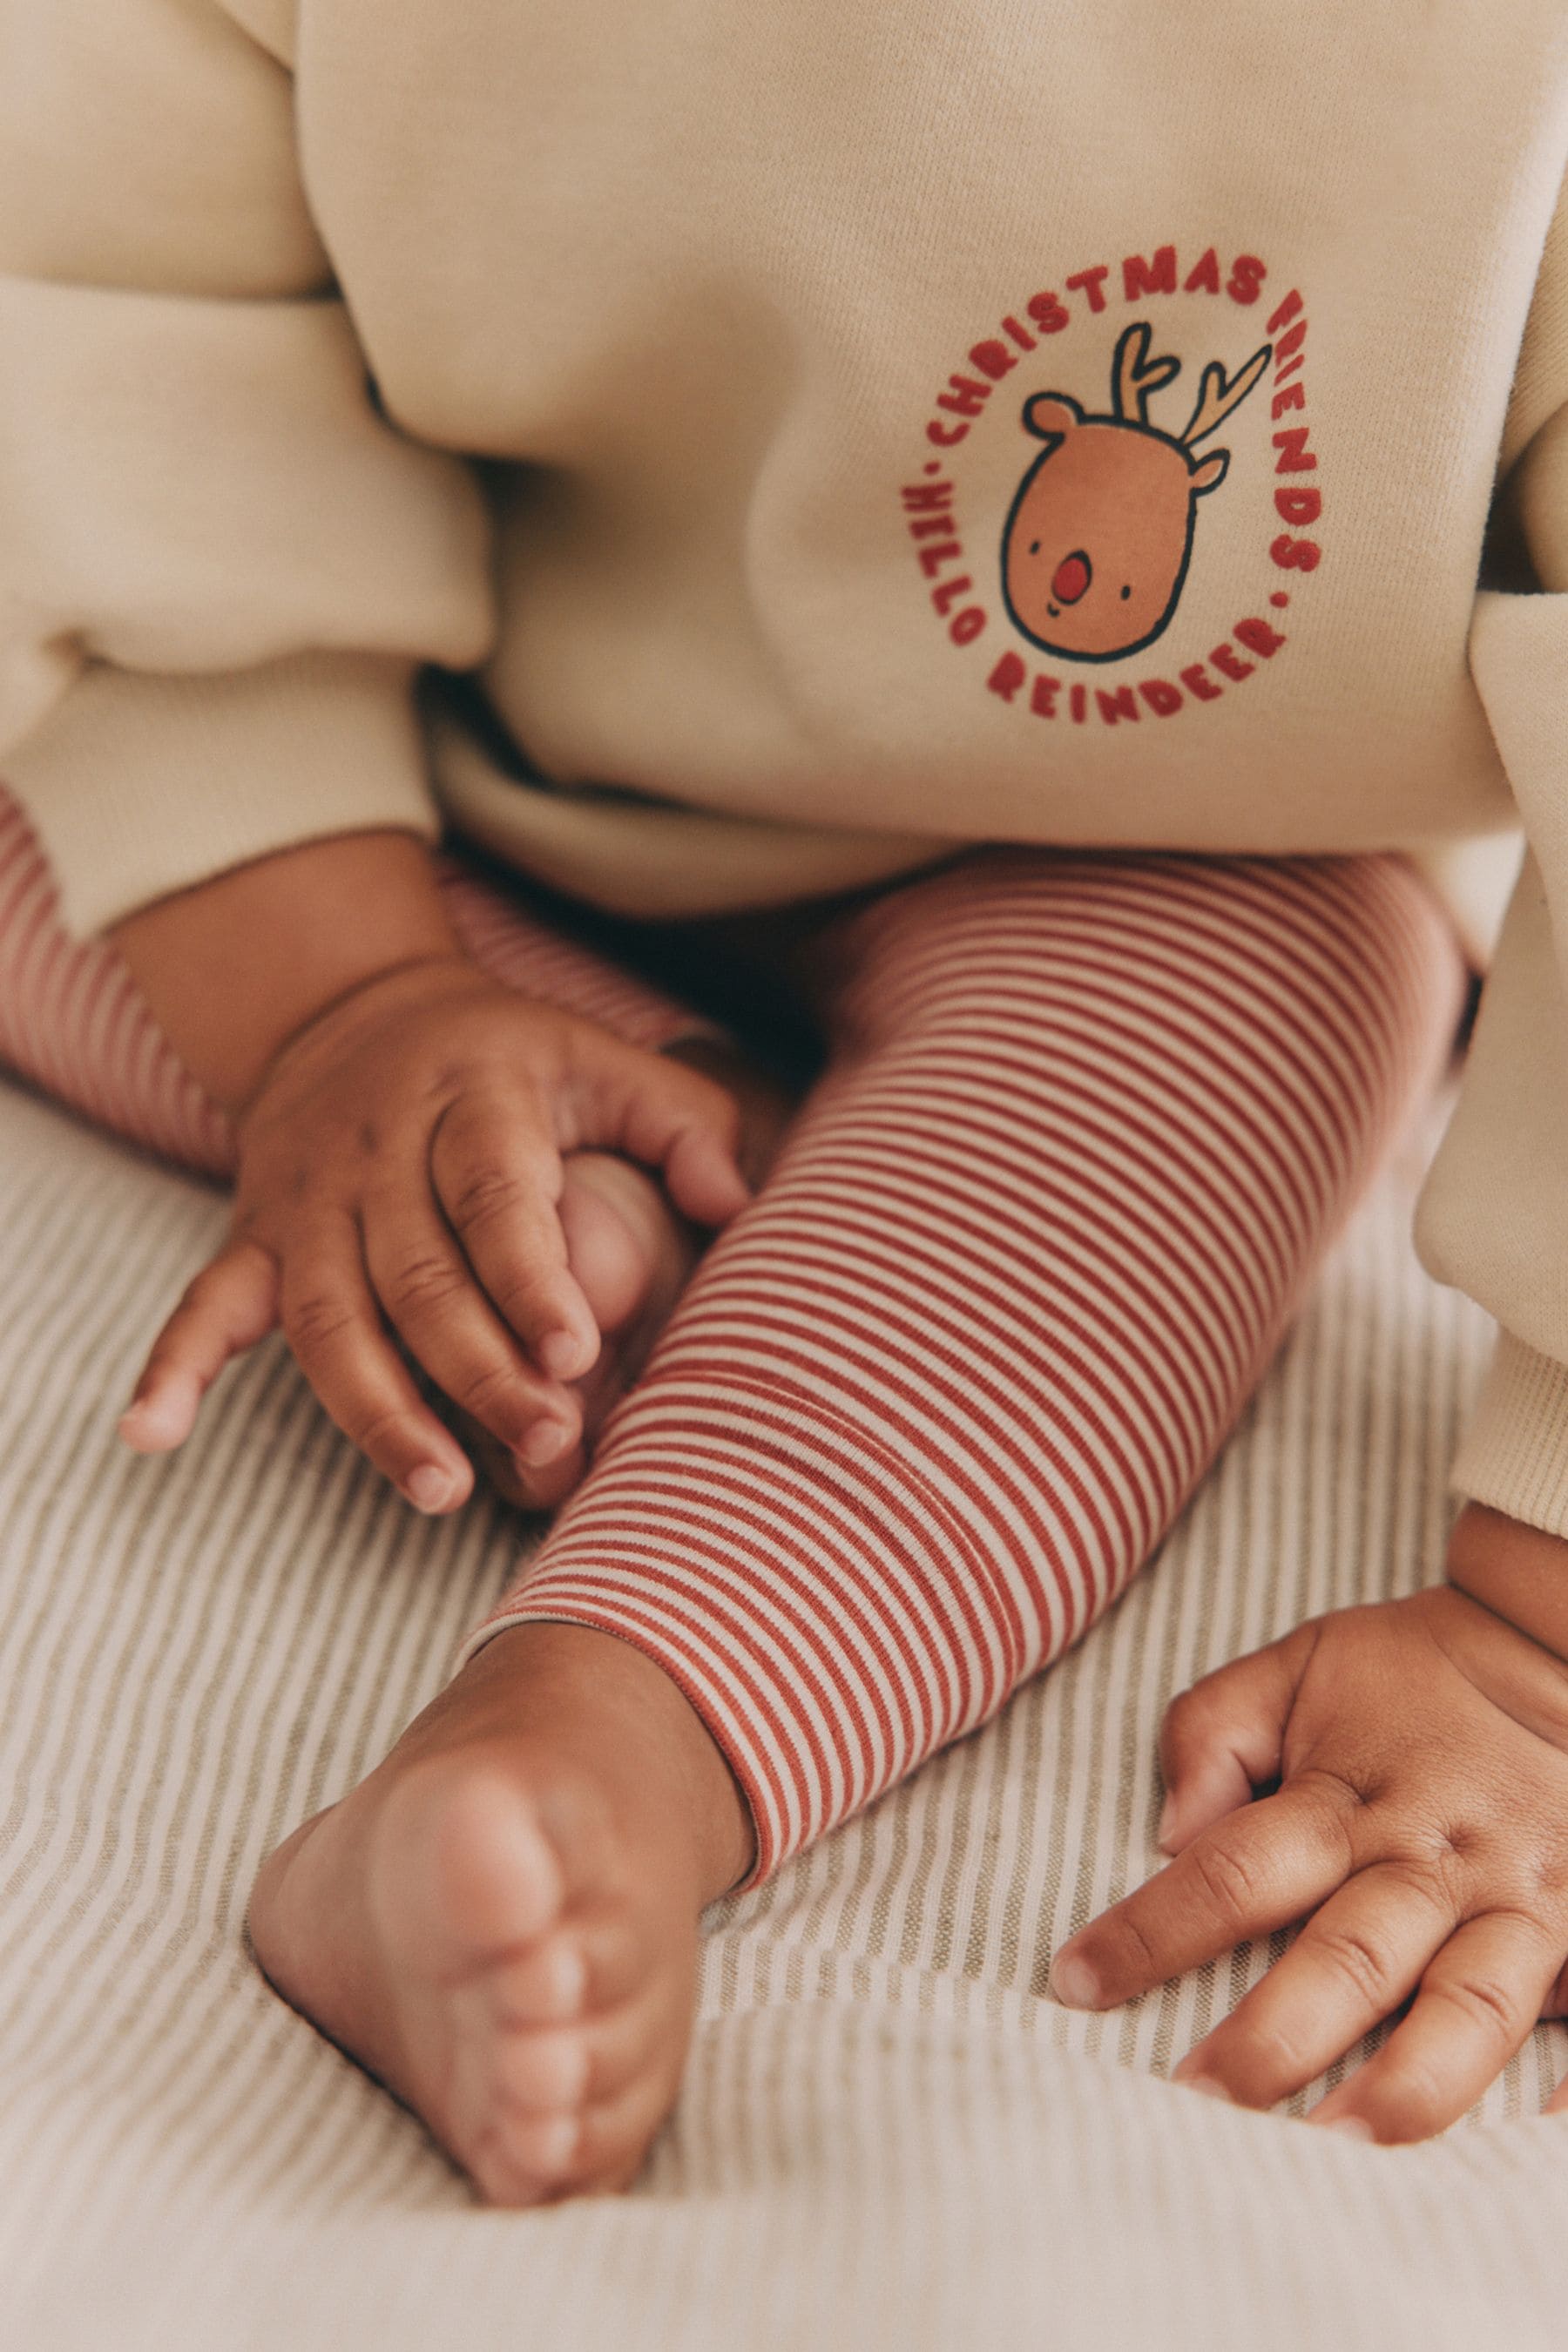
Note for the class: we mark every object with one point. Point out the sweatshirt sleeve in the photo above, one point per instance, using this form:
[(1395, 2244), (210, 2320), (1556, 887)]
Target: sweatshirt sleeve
[(220, 566), (1493, 1218)]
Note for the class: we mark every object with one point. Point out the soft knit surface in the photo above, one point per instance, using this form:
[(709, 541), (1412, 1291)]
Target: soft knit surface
[(890, 2135), (1086, 1131)]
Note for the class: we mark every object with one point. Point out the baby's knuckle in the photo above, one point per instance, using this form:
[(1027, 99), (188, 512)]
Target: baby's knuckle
[(1447, 1874), (1134, 1954), (1330, 1817), (1186, 1715), (1229, 1882), (381, 1431), (1365, 1965), (418, 1283), (487, 1388), (1426, 1875), (1336, 1798), (1548, 1874), (317, 1321), (1482, 2000), (483, 1192)]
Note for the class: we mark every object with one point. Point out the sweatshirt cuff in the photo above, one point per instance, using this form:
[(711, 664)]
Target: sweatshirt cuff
[(140, 785), (1514, 1455)]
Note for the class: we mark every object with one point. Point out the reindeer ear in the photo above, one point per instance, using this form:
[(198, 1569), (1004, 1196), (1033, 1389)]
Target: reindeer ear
[(1212, 472), (1051, 416)]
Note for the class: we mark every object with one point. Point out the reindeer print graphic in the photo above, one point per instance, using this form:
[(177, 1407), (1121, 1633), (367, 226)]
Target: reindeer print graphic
[(1100, 537)]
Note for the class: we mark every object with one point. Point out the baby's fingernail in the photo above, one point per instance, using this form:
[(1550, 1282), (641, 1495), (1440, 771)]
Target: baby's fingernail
[(547, 1441), (150, 1422), (1165, 1824), (428, 1488), (1208, 2087), (1073, 1983), (1352, 2126)]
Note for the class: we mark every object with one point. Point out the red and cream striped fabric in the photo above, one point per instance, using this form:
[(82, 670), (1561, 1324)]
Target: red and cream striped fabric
[(73, 1023), (1088, 1129)]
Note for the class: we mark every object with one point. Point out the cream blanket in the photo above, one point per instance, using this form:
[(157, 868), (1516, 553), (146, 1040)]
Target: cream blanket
[(889, 2137)]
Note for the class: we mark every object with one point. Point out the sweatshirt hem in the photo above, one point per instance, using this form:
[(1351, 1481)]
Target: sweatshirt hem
[(287, 752), (1514, 1455)]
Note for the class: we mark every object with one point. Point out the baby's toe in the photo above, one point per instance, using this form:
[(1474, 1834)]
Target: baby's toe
[(503, 2163), (517, 2111), (623, 1960), (575, 2107), (547, 1985), (542, 2073), (573, 2065), (525, 2159), (622, 1237)]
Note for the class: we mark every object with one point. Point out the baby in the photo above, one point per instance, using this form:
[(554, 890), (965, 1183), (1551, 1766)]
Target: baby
[(949, 533)]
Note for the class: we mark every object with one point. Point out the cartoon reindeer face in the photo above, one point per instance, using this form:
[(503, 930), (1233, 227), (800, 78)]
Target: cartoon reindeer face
[(1097, 546)]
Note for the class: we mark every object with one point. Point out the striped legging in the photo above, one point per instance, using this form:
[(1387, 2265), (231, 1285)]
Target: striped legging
[(1086, 1128)]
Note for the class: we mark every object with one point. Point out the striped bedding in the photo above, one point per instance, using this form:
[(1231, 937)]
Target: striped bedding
[(889, 2136)]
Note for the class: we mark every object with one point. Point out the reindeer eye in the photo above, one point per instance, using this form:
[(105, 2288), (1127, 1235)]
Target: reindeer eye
[(1034, 547), (1125, 594)]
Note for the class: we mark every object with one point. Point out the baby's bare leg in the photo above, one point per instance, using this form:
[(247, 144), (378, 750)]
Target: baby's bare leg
[(501, 1922)]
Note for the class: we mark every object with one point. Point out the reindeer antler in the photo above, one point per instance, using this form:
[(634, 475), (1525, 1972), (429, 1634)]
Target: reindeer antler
[(1217, 399), (1132, 380)]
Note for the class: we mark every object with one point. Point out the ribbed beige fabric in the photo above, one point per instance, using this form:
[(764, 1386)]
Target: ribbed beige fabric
[(889, 2137)]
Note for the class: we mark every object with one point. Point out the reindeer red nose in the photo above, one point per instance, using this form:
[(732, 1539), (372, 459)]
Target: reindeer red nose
[(1073, 575)]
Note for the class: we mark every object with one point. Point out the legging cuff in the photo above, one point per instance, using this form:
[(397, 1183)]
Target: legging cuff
[(813, 1592), (686, 1663)]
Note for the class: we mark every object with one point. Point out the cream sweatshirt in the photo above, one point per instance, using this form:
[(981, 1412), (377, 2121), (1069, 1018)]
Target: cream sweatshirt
[(832, 433)]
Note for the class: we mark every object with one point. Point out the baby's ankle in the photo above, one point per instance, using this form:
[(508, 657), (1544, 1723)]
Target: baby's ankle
[(601, 1705)]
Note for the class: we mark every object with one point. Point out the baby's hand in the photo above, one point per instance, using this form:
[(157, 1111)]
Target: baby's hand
[(1421, 1828), (400, 1166)]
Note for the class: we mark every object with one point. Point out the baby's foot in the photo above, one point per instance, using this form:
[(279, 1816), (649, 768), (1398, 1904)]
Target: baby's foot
[(500, 1924), (631, 1254)]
